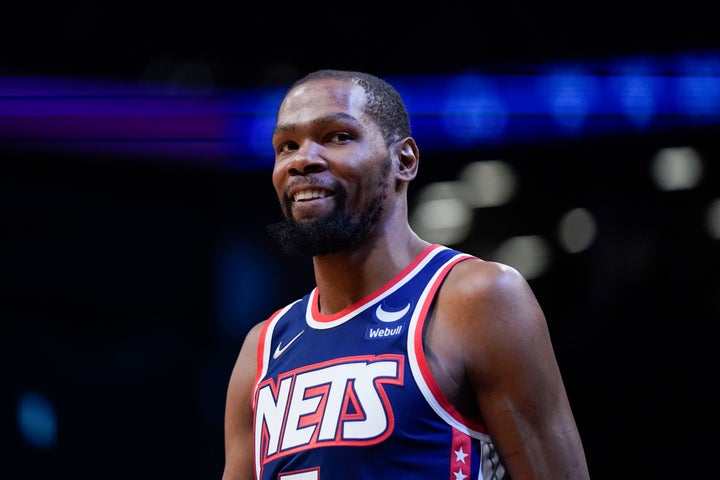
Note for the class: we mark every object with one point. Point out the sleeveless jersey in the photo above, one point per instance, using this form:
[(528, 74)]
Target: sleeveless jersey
[(350, 395)]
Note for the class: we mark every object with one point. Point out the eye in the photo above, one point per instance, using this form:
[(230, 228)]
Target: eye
[(339, 137), (287, 147)]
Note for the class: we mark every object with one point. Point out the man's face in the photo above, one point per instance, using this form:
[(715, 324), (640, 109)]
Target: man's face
[(332, 168)]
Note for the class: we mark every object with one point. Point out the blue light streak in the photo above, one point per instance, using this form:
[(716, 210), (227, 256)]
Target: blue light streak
[(232, 128)]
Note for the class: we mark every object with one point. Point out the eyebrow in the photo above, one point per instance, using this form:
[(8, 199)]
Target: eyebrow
[(325, 119)]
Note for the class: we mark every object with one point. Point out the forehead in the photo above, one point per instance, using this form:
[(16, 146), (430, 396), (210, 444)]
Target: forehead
[(321, 98)]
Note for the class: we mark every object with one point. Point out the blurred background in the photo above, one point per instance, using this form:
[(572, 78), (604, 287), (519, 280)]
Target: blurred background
[(576, 142)]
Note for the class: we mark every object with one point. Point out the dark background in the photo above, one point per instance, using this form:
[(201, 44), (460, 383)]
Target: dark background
[(128, 283)]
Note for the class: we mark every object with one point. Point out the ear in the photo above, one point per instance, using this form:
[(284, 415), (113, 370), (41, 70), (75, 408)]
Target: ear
[(409, 157)]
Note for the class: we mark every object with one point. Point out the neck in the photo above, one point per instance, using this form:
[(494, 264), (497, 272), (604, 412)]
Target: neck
[(347, 277)]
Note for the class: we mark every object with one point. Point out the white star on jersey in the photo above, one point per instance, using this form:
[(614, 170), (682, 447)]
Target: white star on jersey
[(460, 455), (459, 475)]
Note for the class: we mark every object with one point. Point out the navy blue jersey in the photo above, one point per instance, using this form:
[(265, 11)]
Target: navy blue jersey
[(351, 396)]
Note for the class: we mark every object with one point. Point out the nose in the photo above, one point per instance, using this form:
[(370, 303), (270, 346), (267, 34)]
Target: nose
[(305, 160)]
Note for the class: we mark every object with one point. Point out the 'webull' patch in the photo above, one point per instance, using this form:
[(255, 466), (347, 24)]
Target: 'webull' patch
[(373, 333)]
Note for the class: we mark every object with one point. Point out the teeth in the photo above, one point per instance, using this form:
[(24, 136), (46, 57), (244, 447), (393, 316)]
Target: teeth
[(309, 194)]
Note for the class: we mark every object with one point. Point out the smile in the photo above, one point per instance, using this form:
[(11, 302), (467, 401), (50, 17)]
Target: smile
[(309, 195)]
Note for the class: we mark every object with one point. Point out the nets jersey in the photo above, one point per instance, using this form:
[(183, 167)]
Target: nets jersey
[(350, 395)]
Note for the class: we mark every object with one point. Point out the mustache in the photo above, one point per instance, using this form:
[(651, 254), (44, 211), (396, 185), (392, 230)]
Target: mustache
[(310, 181)]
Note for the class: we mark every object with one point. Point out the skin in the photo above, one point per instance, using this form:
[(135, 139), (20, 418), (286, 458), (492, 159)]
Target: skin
[(487, 339)]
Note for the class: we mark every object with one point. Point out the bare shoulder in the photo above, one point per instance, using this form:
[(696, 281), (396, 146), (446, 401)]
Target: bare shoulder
[(481, 274), (494, 290), (243, 374), (489, 314), (490, 337), (238, 409), (248, 351), (253, 335)]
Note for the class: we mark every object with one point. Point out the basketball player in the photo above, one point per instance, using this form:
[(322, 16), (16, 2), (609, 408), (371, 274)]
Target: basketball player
[(408, 360)]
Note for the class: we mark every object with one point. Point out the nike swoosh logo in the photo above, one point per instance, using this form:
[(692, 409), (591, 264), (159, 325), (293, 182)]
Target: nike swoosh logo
[(281, 349), (385, 316)]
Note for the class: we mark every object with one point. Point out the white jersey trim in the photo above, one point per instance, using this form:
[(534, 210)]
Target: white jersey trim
[(413, 355), (371, 300)]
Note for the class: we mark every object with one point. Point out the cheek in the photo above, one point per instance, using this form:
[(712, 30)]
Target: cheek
[(277, 180), (373, 187)]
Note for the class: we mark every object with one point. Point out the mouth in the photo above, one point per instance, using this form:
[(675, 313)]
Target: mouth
[(309, 194), (309, 202)]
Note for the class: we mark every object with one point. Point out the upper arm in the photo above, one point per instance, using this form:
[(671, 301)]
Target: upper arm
[(239, 456), (509, 362)]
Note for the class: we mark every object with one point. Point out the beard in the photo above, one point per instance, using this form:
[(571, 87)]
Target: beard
[(336, 232)]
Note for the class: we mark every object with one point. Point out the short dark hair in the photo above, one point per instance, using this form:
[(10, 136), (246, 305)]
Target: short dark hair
[(383, 102)]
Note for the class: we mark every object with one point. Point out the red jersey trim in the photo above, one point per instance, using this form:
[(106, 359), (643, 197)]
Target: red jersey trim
[(319, 317), (263, 346), (422, 362)]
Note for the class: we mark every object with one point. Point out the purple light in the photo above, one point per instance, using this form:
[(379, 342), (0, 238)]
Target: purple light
[(469, 109)]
